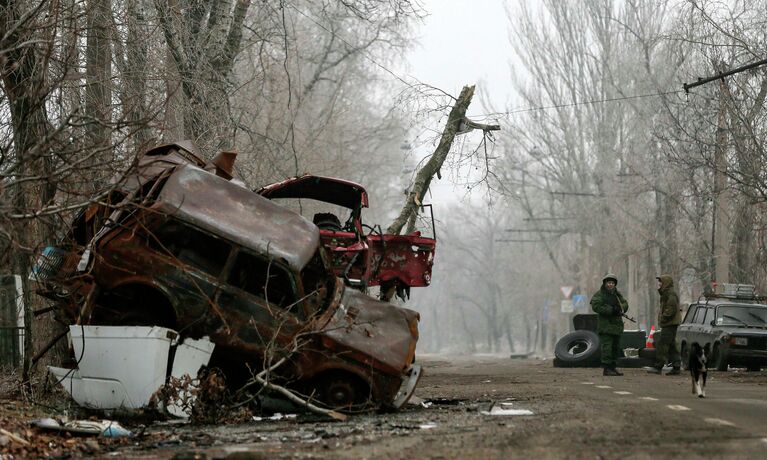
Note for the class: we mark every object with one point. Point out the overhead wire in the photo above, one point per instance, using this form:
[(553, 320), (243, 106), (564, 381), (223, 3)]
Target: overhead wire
[(578, 103), (487, 115)]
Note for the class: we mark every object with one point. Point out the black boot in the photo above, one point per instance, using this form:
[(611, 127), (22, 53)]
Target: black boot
[(609, 371), (617, 372)]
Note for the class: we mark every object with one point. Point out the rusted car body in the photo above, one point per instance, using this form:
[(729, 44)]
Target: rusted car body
[(362, 255), (188, 249)]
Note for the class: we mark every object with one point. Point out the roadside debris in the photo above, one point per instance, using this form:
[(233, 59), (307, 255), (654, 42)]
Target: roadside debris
[(12, 437), (181, 245), (122, 367), (105, 428), (504, 408)]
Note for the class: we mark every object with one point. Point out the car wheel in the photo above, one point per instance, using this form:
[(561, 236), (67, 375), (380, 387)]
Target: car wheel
[(719, 359), (343, 391), (578, 347)]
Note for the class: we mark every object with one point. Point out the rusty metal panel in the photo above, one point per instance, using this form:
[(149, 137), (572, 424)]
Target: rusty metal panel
[(409, 258), (236, 213), (367, 329)]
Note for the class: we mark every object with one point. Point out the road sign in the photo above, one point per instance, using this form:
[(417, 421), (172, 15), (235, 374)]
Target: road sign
[(580, 302), (566, 291), (567, 306)]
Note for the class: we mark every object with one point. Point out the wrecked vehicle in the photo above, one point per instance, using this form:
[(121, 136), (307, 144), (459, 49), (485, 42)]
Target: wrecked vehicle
[(361, 254), (181, 245)]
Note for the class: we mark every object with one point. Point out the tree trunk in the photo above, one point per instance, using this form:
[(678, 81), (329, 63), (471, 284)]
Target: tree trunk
[(136, 75), (204, 56), (98, 74), (24, 84), (433, 166)]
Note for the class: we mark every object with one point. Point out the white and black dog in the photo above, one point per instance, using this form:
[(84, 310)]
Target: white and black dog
[(698, 369)]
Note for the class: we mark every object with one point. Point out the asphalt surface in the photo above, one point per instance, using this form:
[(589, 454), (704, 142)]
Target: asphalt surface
[(493, 407), (468, 411), (734, 399)]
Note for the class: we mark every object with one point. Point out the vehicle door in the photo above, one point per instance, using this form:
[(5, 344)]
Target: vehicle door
[(260, 300), (695, 328), (702, 330), (686, 330)]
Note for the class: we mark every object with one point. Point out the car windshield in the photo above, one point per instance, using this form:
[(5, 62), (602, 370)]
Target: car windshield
[(327, 216), (742, 315)]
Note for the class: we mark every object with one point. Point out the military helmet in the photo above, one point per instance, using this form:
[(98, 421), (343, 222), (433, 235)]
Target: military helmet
[(610, 276)]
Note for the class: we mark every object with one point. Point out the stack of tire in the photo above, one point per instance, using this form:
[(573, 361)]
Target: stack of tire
[(577, 349), (581, 348)]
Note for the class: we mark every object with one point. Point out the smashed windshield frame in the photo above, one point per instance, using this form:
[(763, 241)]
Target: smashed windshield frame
[(742, 315)]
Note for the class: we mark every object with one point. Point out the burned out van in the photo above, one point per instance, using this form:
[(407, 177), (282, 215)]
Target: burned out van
[(182, 247)]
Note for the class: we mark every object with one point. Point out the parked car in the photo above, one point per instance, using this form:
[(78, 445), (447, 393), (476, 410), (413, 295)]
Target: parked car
[(732, 323), (185, 248), (361, 254)]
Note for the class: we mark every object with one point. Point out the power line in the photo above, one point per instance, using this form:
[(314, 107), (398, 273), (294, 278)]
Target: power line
[(574, 104), (534, 230), (506, 113)]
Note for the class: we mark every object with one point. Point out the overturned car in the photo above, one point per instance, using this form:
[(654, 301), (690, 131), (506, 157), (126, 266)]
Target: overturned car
[(180, 245)]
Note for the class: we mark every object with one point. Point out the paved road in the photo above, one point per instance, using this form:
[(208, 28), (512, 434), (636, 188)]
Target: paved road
[(573, 413), (730, 399)]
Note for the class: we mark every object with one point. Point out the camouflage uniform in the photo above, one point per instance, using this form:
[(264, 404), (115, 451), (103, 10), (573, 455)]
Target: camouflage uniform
[(669, 317), (610, 307)]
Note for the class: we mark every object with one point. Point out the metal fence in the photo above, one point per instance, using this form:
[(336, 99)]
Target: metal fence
[(11, 342)]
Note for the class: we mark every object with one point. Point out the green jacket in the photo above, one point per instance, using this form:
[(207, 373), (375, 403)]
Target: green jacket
[(609, 322), (669, 313)]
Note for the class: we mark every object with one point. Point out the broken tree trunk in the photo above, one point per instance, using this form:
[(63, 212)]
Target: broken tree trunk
[(433, 166)]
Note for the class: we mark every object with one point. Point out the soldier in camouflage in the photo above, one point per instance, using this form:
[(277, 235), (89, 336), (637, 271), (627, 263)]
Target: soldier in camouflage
[(669, 317), (610, 306)]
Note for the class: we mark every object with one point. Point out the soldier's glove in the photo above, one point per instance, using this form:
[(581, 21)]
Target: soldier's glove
[(617, 310)]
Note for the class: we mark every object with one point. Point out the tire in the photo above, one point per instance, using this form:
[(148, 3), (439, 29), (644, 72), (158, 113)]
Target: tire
[(648, 353), (578, 347), (719, 359), (343, 391)]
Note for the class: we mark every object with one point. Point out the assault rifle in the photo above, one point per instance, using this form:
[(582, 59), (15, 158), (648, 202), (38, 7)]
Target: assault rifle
[(629, 318)]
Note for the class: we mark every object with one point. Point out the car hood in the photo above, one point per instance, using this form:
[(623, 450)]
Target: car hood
[(327, 189), (373, 332)]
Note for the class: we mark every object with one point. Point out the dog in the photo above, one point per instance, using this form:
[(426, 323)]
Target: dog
[(697, 366)]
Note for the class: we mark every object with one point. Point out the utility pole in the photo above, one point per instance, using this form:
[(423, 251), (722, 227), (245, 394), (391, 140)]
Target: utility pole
[(720, 228)]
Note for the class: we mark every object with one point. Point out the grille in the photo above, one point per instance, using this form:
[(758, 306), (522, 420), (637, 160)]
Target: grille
[(48, 264)]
